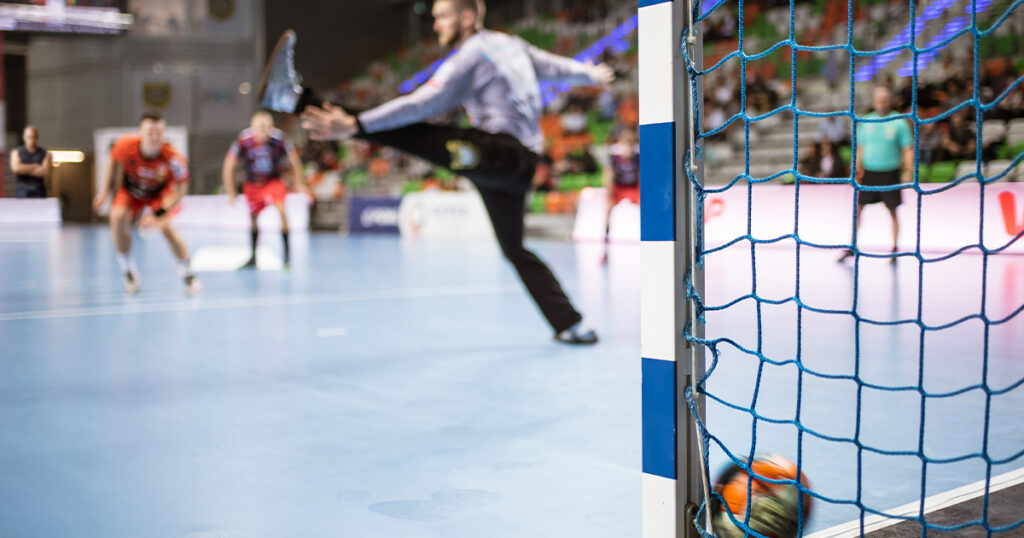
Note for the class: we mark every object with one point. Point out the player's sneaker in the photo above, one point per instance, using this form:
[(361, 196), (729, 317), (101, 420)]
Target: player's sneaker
[(131, 283), (280, 86), (250, 264), (577, 334), (192, 286)]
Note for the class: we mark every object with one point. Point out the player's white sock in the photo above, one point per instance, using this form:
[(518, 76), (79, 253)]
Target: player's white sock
[(185, 267), (126, 263)]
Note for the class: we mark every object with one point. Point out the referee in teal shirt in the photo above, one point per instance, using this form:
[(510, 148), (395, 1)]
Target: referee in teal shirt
[(885, 156)]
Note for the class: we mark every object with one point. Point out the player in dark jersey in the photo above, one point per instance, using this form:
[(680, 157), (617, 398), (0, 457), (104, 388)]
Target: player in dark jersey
[(621, 176), (266, 155), (495, 78), (147, 173)]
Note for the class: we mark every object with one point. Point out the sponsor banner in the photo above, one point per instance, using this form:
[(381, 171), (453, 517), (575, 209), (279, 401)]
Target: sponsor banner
[(373, 215), (215, 212), (949, 221), (593, 218), (29, 211), (444, 215)]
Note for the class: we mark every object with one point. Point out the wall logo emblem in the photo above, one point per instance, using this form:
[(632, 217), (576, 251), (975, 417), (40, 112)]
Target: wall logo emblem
[(221, 10), (465, 155), (156, 94)]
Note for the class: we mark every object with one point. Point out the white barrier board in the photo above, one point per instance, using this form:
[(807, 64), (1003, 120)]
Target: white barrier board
[(444, 215)]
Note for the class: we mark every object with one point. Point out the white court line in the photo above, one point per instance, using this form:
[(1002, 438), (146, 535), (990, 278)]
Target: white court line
[(875, 522), (202, 304), (335, 331)]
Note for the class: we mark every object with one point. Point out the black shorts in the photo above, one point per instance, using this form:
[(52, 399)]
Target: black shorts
[(30, 189), (892, 199)]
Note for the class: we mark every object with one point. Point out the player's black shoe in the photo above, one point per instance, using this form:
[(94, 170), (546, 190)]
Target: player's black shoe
[(131, 283), (577, 334), (281, 86), (250, 264)]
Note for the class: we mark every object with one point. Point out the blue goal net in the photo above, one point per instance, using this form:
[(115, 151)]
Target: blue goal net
[(857, 171)]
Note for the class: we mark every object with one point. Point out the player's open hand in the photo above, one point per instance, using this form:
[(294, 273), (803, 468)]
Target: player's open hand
[(328, 122), (601, 73), (98, 200), (148, 221)]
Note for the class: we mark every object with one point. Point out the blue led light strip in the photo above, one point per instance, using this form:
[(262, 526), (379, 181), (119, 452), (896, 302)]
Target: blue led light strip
[(902, 40)]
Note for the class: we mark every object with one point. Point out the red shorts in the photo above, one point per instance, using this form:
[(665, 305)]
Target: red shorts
[(257, 193), (123, 198), (625, 192)]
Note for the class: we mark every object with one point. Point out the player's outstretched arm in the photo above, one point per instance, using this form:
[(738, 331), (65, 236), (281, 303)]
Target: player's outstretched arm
[(554, 67), (298, 173), (227, 175), (114, 170)]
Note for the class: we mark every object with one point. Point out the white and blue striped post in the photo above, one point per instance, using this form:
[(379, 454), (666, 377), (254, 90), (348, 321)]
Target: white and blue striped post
[(671, 458)]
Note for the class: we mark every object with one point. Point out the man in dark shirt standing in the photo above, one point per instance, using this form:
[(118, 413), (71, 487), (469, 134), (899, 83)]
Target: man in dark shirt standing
[(31, 164)]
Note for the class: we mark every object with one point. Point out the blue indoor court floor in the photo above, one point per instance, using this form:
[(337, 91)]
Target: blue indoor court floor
[(389, 388)]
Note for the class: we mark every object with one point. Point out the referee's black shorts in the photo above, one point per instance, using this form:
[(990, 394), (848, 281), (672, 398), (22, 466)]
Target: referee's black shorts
[(892, 199)]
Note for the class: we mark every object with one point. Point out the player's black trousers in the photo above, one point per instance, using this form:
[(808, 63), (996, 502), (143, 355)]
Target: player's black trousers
[(502, 170)]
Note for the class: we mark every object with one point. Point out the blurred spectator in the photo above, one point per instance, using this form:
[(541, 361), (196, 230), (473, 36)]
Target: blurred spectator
[(578, 160), (929, 143), (810, 163), (574, 119), (822, 160), (760, 96), (31, 165), (835, 130), (1000, 77), (960, 141)]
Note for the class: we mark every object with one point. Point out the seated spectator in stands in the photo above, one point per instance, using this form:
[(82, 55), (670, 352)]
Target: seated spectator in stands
[(929, 144), (822, 160), (608, 104), (578, 160), (574, 119), (760, 96), (810, 163), (903, 94), (713, 118), (1001, 78), (958, 89), (960, 141), (835, 129), (831, 163), (1013, 105)]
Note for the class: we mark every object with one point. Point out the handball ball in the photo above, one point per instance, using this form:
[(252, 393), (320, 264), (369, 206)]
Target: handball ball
[(774, 508)]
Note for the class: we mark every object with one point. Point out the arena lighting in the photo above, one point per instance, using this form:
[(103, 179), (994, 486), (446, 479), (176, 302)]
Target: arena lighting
[(56, 17), (61, 156), (614, 41), (933, 11)]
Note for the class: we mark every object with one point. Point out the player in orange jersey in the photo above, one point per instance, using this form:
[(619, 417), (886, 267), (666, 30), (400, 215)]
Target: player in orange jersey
[(147, 173)]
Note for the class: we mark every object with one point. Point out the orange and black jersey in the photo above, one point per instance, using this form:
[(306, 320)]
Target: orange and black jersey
[(146, 178)]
